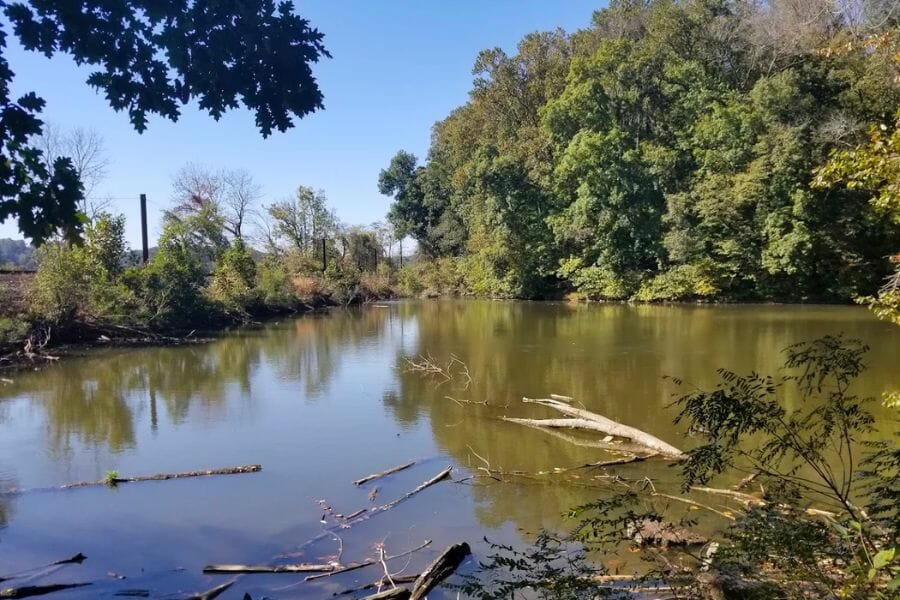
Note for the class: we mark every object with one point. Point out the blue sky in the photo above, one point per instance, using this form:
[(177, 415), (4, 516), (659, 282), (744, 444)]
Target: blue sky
[(397, 67)]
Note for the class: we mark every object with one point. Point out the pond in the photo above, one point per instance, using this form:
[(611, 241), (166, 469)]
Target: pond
[(320, 401)]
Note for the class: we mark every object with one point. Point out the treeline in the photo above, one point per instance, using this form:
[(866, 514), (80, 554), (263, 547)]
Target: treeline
[(222, 257), (673, 150)]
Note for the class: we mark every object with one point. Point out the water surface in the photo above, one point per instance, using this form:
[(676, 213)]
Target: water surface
[(322, 400)]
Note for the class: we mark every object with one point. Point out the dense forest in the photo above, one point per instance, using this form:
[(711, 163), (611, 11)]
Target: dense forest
[(701, 149)]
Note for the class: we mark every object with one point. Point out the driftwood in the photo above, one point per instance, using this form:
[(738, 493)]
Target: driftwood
[(76, 559), (239, 470), (439, 570), (298, 568), (649, 532), (585, 419), (378, 584), (365, 515), (367, 563), (607, 444), (211, 593), (29, 591), (437, 478), (751, 500), (384, 473), (398, 593)]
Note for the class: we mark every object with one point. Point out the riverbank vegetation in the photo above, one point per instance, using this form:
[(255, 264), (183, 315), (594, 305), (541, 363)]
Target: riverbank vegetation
[(824, 522), (206, 271), (671, 151)]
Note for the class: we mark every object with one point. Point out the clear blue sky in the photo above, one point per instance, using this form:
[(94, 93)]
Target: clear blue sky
[(397, 67)]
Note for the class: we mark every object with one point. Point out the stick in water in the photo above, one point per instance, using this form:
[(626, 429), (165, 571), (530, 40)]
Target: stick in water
[(384, 473)]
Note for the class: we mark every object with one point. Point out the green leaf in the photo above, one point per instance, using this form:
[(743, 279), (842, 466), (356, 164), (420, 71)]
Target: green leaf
[(883, 558)]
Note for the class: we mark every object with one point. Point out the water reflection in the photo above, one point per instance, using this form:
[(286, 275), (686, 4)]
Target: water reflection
[(97, 402), (321, 399), (611, 358)]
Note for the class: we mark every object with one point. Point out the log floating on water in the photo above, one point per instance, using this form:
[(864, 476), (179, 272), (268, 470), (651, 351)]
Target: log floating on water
[(398, 593), (437, 478), (585, 419), (239, 470), (439, 570), (367, 563), (384, 473), (29, 591), (211, 593), (298, 568)]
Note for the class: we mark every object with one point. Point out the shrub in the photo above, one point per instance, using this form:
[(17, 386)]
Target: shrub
[(598, 282), (233, 284), (378, 284), (273, 284), (83, 281), (683, 282), (170, 289)]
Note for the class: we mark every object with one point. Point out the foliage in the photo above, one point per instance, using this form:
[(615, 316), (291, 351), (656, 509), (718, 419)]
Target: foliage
[(442, 276), (549, 569), (170, 288), (667, 152), (150, 58), (234, 280), (111, 478), (83, 281), (820, 453), (273, 284), (302, 222), (13, 330)]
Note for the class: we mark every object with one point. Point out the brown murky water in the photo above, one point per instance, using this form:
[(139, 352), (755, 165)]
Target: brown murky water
[(320, 401)]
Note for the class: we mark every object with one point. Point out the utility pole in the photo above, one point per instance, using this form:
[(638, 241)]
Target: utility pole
[(146, 247), (324, 257), (401, 253)]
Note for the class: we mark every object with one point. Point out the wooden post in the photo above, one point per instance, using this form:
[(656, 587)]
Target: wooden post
[(401, 253), (144, 244), (324, 257)]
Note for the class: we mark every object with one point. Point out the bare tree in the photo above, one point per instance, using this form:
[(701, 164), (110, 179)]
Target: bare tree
[(87, 151), (231, 194), (241, 195)]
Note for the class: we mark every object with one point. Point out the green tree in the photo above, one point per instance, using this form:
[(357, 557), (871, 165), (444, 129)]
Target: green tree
[(150, 58)]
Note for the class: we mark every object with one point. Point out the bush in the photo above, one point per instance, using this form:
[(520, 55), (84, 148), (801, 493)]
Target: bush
[(170, 289), (598, 282), (342, 282), (83, 281), (273, 285), (13, 330), (233, 285), (684, 282), (377, 285)]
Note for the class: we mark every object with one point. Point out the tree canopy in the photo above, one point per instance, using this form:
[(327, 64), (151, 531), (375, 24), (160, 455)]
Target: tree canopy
[(149, 58), (667, 152)]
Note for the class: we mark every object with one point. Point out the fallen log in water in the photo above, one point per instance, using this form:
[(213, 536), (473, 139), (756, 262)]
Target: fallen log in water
[(378, 584), (398, 593), (366, 563), (439, 570), (585, 419), (113, 481), (76, 559), (437, 478), (245, 569), (384, 473), (29, 591), (363, 516), (211, 593)]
